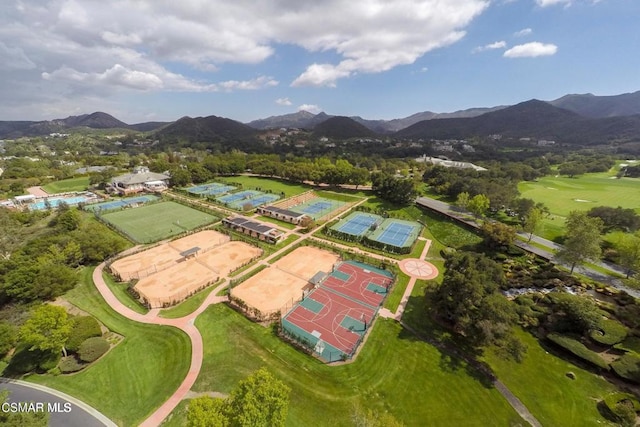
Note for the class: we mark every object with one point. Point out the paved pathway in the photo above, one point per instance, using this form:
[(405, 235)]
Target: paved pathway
[(185, 324)]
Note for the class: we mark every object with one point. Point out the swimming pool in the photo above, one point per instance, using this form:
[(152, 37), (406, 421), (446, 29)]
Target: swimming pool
[(54, 202)]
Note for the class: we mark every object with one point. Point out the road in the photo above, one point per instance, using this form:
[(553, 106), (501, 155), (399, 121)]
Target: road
[(610, 279), (79, 414)]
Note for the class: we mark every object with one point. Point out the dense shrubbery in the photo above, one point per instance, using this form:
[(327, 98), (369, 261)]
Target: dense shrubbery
[(82, 327), (91, 349), (578, 349), (70, 364)]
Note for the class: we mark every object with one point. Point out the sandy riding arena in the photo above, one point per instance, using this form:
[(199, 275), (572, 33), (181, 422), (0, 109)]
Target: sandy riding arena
[(282, 284), (178, 277)]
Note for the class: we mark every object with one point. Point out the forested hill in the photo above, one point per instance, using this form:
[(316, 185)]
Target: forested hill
[(339, 127), (535, 119)]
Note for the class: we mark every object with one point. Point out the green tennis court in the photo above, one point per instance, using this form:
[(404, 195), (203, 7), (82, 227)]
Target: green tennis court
[(159, 221)]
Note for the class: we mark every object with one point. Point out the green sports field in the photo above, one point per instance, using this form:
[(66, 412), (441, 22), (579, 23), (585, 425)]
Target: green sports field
[(71, 184), (563, 195), (155, 222)]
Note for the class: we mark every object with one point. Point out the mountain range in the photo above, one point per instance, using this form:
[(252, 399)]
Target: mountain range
[(575, 118)]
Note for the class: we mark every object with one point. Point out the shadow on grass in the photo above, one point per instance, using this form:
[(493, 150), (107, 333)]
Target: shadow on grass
[(455, 354)]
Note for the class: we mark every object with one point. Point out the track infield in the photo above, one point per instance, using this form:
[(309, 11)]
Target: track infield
[(159, 221)]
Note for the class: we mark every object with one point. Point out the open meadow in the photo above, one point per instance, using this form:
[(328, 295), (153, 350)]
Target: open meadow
[(65, 185), (394, 373)]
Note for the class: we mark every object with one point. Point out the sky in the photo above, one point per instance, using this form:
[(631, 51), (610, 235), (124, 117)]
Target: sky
[(148, 60)]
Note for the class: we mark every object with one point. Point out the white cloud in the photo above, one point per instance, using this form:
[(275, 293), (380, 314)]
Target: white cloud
[(491, 46), (84, 47), (531, 50), (14, 58), (311, 108), (545, 3), (523, 32), (285, 102)]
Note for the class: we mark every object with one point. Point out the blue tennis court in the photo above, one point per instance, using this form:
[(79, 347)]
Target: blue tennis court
[(242, 195), (120, 203), (396, 234), (357, 224), (214, 188), (254, 201), (317, 208)]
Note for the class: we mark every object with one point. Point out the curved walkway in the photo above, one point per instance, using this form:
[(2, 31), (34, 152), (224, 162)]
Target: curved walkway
[(185, 324)]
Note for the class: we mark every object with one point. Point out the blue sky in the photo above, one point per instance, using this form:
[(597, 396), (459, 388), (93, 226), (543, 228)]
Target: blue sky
[(162, 59)]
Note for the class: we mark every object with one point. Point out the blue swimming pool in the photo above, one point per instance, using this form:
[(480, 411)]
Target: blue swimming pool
[(53, 202)]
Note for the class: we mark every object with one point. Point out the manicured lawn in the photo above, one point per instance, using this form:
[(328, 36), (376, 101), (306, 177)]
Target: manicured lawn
[(563, 195), (394, 372), (540, 382), (393, 299), (262, 184), (134, 378), (281, 224), (158, 221), (71, 184), (120, 291), (189, 305)]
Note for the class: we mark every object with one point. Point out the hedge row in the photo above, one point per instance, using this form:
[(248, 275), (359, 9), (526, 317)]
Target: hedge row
[(578, 349), (82, 327)]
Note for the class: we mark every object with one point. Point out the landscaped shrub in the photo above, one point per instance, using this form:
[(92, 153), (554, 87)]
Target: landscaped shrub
[(628, 367), (609, 332), (49, 360), (82, 327), (93, 348), (70, 364), (623, 407), (578, 349)]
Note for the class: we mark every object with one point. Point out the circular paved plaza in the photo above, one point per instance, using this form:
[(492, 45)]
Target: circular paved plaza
[(419, 269)]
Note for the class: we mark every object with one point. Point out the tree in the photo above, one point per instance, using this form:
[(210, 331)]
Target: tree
[(7, 337), (9, 418), (629, 252), (259, 400), (180, 177), (469, 299), (369, 418), (47, 329), (532, 221), (582, 239), (579, 314), (478, 205), (462, 201), (616, 218), (497, 234), (206, 411)]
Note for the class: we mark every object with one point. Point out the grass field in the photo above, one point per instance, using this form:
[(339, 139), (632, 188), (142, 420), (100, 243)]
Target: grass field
[(394, 373), (262, 184), (541, 383), (158, 221), (563, 195), (125, 385), (71, 184)]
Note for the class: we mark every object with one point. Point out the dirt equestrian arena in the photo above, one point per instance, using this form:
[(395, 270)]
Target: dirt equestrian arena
[(282, 284), (180, 277)]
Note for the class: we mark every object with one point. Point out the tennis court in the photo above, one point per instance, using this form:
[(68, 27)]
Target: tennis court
[(245, 198), (158, 221), (211, 189), (121, 203), (317, 208), (357, 223), (333, 318), (396, 232)]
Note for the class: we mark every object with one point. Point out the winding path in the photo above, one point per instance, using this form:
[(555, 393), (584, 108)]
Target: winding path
[(186, 324)]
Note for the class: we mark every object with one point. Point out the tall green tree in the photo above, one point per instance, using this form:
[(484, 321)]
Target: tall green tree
[(582, 239), (261, 400), (47, 329), (206, 411), (478, 205), (532, 221), (462, 200), (469, 299), (629, 252)]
